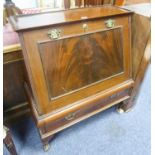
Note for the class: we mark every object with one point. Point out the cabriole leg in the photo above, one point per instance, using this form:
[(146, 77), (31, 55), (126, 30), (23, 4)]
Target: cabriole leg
[(46, 143), (46, 146)]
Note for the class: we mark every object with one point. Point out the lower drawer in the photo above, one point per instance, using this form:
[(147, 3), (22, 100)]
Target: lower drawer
[(80, 114)]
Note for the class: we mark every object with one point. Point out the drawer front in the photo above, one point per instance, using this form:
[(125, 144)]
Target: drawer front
[(12, 57), (77, 28), (14, 74), (82, 27), (84, 111), (78, 61)]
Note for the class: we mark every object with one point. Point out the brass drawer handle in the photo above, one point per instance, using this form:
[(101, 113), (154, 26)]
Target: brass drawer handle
[(110, 23), (70, 116), (54, 33)]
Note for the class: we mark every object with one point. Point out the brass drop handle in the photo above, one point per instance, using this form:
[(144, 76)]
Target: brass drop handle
[(85, 27), (70, 116), (110, 23), (54, 33)]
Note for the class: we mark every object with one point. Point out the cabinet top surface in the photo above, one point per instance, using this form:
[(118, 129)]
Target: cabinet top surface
[(24, 22)]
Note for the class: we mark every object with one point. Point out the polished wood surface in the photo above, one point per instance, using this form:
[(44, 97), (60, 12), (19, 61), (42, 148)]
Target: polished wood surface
[(84, 70), (76, 62), (23, 22), (14, 73), (139, 39), (98, 98), (75, 115), (141, 51), (13, 88), (146, 58), (40, 89), (12, 56)]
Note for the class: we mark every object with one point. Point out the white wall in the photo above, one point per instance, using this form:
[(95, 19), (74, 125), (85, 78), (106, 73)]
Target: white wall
[(22, 4), (25, 3)]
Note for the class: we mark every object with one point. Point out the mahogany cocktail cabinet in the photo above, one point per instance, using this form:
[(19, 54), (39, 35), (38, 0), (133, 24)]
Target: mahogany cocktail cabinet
[(78, 63)]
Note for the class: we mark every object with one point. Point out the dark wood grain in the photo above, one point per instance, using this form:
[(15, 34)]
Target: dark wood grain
[(77, 62)]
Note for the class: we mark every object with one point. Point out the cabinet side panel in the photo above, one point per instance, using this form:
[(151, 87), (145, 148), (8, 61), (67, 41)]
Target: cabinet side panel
[(140, 35)]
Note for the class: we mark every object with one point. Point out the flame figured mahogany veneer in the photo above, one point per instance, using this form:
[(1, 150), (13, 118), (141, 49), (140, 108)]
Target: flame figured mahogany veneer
[(78, 62)]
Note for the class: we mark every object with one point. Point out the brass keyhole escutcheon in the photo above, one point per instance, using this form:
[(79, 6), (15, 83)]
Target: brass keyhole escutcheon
[(54, 33), (110, 23), (85, 27)]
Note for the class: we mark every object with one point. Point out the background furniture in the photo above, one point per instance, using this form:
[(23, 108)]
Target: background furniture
[(7, 140), (14, 74)]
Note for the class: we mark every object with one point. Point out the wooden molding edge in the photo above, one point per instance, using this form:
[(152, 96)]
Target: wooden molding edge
[(16, 112), (11, 48)]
